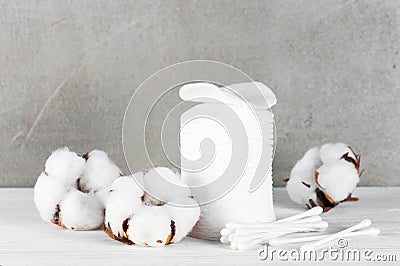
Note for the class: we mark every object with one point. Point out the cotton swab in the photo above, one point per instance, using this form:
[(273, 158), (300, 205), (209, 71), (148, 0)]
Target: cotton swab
[(290, 240), (312, 246), (311, 212)]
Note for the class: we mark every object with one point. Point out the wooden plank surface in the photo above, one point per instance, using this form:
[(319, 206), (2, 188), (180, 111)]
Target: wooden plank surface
[(26, 239)]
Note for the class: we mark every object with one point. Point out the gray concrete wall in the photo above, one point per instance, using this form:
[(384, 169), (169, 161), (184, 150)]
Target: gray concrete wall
[(68, 69)]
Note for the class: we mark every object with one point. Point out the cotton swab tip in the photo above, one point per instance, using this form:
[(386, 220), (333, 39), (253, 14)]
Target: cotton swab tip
[(226, 232), (365, 223)]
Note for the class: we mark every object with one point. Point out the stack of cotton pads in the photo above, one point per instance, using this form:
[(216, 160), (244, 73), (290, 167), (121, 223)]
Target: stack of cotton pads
[(230, 131)]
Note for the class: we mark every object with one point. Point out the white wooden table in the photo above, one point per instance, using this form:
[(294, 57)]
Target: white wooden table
[(26, 239)]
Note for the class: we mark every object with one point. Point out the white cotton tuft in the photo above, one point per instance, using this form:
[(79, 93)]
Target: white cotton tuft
[(338, 179), (150, 226), (123, 199), (119, 207), (163, 184), (81, 211), (128, 184), (48, 192), (301, 185), (334, 151), (99, 173), (65, 166), (185, 217)]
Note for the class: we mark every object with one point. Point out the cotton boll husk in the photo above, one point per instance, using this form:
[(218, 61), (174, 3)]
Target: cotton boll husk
[(304, 171), (150, 226), (66, 166), (163, 184), (185, 217), (120, 205), (48, 192), (99, 172), (338, 179), (334, 151), (81, 211)]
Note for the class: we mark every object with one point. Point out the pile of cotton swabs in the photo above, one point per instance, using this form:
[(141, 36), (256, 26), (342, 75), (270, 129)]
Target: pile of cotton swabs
[(248, 236)]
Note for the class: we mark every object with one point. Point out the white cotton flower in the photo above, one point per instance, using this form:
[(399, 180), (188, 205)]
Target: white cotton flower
[(132, 216), (48, 192), (80, 211), (73, 189), (325, 176), (99, 172), (338, 179), (65, 166), (301, 185)]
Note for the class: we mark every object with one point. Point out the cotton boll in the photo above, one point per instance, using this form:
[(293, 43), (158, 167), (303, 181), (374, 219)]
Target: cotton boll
[(151, 226), (132, 216), (99, 173), (48, 192), (66, 166), (338, 179), (80, 211), (301, 185), (163, 184), (334, 151), (185, 217)]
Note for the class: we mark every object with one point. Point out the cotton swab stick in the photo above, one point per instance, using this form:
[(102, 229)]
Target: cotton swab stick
[(279, 232), (297, 226), (244, 244), (311, 219), (255, 238), (282, 241), (249, 243), (312, 246)]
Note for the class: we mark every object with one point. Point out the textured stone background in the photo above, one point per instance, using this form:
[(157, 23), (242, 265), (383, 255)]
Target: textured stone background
[(68, 69)]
